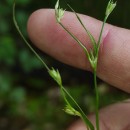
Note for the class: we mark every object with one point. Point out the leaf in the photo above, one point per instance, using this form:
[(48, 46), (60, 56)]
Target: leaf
[(89, 34)]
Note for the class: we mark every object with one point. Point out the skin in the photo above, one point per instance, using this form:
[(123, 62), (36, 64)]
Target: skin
[(113, 64)]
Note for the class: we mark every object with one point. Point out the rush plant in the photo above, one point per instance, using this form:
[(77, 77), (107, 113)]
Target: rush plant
[(91, 55)]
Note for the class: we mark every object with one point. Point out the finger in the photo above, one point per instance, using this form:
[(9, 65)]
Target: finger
[(113, 117), (114, 57)]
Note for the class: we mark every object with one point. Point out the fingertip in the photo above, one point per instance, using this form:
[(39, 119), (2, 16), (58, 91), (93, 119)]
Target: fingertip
[(36, 25), (48, 36), (114, 63)]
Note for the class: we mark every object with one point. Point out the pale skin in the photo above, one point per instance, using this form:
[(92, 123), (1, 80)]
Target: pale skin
[(113, 64)]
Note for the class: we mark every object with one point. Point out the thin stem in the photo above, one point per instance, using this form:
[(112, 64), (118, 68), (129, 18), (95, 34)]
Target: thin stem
[(96, 100), (76, 39), (100, 36), (17, 27), (83, 116), (95, 78), (89, 34), (63, 94)]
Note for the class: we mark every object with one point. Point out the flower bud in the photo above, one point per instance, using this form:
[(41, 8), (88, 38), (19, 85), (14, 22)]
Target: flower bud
[(59, 12), (55, 75), (71, 111), (111, 5)]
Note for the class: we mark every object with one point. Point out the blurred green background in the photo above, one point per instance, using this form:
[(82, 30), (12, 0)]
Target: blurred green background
[(29, 98)]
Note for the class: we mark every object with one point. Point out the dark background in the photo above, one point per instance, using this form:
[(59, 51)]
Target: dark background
[(29, 98)]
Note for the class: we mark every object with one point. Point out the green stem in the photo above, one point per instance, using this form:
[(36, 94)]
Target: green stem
[(83, 116), (76, 39), (96, 100), (17, 27), (100, 36)]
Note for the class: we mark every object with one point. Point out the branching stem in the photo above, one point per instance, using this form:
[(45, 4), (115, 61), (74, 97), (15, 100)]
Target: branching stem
[(92, 56)]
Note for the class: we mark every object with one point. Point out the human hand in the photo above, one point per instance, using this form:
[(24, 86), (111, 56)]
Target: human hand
[(113, 64)]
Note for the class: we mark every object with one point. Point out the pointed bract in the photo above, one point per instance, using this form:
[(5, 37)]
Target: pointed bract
[(71, 111), (59, 12), (111, 5), (55, 75)]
